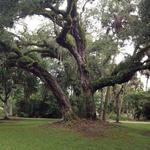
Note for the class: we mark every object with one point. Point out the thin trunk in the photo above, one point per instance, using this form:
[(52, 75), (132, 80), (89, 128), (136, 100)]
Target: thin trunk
[(117, 109), (6, 111), (101, 107), (147, 79), (128, 112), (10, 108), (133, 114), (106, 104), (118, 103)]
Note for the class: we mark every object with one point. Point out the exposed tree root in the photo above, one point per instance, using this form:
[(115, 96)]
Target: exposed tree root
[(84, 127)]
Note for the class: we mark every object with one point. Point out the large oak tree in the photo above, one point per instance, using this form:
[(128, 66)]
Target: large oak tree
[(69, 34)]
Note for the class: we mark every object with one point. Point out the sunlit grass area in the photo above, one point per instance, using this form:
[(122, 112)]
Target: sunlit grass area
[(35, 134)]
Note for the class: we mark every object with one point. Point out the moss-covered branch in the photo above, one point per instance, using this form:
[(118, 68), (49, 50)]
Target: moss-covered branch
[(45, 53), (28, 64), (124, 71)]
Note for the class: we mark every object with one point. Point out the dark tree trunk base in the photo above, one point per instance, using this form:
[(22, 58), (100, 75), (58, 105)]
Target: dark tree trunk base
[(6, 118), (68, 117)]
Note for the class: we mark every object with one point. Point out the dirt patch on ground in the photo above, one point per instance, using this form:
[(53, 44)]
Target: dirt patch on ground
[(86, 128), (146, 133)]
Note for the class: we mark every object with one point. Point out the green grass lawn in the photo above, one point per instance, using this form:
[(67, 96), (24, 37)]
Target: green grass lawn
[(31, 135)]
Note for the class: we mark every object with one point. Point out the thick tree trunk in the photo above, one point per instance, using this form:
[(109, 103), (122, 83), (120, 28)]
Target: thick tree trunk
[(90, 105), (106, 104), (88, 95), (79, 54), (63, 101), (77, 48)]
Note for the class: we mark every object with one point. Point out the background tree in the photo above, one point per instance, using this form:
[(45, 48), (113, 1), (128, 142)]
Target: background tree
[(6, 89), (136, 102)]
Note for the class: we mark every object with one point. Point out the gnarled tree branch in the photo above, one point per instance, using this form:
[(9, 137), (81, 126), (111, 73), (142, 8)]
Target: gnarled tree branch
[(124, 71)]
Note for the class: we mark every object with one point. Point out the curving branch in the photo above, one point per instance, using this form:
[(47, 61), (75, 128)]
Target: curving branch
[(124, 71), (44, 53), (50, 15), (34, 67)]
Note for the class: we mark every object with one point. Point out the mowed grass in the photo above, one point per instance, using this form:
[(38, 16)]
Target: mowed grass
[(33, 134)]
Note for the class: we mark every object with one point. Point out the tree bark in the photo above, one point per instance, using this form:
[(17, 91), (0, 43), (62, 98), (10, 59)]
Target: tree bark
[(118, 103), (87, 92)]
